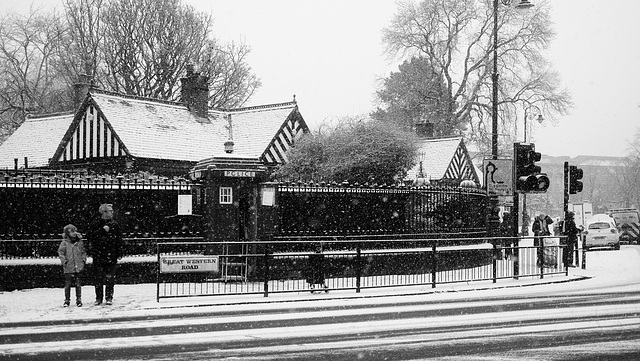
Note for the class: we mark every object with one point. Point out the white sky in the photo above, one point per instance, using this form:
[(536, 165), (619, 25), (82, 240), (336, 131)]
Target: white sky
[(329, 54)]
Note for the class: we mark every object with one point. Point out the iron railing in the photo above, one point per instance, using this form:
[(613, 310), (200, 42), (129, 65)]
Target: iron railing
[(346, 209), (281, 266)]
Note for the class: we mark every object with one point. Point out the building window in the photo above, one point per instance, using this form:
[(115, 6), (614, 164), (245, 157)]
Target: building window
[(226, 195)]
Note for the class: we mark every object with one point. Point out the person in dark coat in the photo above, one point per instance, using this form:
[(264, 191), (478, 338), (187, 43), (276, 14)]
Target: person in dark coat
[(73, 258), (315, 270), (571, 231), (506, 230), (540, 228), (106, 242)]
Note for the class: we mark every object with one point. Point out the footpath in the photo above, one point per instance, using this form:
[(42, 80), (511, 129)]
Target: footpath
[(43, 306)]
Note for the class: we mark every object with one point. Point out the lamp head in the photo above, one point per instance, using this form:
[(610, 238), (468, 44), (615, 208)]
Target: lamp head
[(524, 5)]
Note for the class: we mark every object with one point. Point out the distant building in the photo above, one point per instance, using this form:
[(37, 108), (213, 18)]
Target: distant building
[(603, 184)]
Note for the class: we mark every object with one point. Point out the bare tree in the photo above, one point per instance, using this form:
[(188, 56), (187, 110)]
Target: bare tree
[(147, 45), (137, 47), (27, 58), (455, 38), (79, 49), (231, 81), (628, 177), (142, 47)]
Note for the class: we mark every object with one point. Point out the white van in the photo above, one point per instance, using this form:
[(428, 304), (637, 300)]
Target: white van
[(628, 222), (601, 231)]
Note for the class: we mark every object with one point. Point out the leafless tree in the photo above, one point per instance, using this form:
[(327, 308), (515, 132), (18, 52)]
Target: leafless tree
[(455, 36), (231, 81), (628, 177), (79, 49), (136, 47), (28, 83), (148, 44)]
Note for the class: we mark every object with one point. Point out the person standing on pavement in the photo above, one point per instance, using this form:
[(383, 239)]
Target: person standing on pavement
[(540, 228), (315, 270), (106, 242), (73, 257), (571, 231), (506, 230)]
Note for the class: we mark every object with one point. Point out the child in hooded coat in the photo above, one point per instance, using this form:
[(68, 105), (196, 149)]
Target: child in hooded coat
[(73, 257)]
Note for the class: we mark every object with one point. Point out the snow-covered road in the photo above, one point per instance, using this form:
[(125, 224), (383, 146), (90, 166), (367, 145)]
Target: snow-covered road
[(600, 313)]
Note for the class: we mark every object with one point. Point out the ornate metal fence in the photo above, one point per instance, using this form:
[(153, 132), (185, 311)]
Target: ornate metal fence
[(343, 209), (39, 203)]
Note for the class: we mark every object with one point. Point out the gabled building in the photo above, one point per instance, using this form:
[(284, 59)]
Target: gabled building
[(442, 161), (115, 133)]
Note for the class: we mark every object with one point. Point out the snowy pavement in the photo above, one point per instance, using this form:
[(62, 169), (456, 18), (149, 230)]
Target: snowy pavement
[(44, 305)]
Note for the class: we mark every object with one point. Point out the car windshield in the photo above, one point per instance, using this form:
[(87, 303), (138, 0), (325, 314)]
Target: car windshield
[(599, 225)]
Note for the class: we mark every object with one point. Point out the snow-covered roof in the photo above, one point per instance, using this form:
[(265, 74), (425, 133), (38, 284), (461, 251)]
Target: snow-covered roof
[(37, 139), (112, 124), (443, 158)]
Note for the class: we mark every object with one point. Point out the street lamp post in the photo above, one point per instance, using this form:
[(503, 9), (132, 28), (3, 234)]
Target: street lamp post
[(522, 5), (493, 219), (525, 215)]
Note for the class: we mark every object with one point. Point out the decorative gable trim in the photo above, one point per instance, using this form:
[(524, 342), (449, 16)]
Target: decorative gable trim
[(291, 130), (90, 136), (461, 167)]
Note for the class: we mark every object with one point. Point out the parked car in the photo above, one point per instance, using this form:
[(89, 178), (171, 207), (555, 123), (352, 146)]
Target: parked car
[(601, 231)]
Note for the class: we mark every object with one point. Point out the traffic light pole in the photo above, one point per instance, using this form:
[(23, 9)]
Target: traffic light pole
[(516, 249), (566, 189)]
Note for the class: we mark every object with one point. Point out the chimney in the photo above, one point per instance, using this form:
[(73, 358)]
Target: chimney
[(195, 92), (424, 130), (81, 88)]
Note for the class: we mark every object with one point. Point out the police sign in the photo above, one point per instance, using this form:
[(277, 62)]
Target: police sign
[(240, 173)]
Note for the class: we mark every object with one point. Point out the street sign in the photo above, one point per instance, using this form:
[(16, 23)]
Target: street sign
[(188, 264), (498, 176)]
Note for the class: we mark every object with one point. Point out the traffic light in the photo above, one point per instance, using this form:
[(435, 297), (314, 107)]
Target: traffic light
[(575, 174), (528, 177)]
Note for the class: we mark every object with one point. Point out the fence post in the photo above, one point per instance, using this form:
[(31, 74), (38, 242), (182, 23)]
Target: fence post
[(516, 258), (566, 265), (434, 264), (584, 252), (494, 263), (266, 270), (565, 248), (358, 266), (158, 272), (541, 257)]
